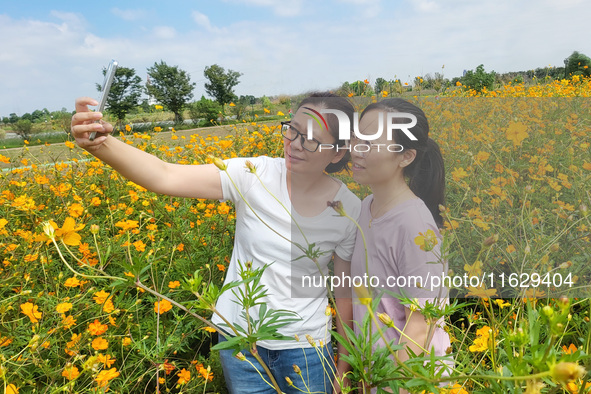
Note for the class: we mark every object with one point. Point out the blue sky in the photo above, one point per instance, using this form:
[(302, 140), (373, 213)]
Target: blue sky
[(54, 51)]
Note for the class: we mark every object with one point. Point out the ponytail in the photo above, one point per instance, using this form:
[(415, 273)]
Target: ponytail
[(427, 180), (426, 173)]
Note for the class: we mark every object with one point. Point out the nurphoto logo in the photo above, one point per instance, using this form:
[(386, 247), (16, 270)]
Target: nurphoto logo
[(345, 129)]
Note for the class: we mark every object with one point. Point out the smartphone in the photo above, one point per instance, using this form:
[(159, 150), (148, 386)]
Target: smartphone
[(106, 86)]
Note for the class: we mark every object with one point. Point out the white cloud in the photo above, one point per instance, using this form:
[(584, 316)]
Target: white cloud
[(129, 15), (286, 8), (164, 32), (49, 63), (203, 21)]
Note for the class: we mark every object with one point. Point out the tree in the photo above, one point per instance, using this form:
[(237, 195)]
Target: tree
[(221, 83), (380, 85), (125, 92), (171, 86), (479, 79), (206, 110), (578, 64), (24, 129)]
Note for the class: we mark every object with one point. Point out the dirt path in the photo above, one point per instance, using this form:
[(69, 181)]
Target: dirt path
[(45, 154)]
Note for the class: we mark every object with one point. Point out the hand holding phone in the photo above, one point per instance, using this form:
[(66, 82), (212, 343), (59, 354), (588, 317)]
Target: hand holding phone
[(106, 86)]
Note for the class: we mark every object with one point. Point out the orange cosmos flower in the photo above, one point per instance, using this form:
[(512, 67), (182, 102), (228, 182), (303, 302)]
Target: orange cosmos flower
[(97, 328), (100, 344), (184, 376), (162, 306), (31, 311), (105, 376), (107, 360), (70, 373), (63, 307)]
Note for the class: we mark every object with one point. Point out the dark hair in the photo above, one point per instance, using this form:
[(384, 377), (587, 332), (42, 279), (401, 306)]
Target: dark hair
[(332, 101), (426, 174)]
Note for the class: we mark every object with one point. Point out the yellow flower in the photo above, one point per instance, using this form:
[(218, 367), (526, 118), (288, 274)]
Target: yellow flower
[(162, 306), (107, 360), (31, 311), (97, 328), (68, 233), (570, 349), (68, 321), (105, 375), (481, 341), (11, 389), (127, 224), (481, 292), (427, 241), (516, 132), (63, 307), (174, 284), (184, 376), (70, 373), (100, 343), (101, 296), (502, 303), (458, 173), (75, 210)]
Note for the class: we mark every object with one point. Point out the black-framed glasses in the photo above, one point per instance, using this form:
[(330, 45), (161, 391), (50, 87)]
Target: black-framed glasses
[(291, 133)]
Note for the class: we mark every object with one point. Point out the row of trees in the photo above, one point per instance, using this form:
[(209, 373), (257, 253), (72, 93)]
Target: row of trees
[(172, 88), (169, 86), (577, 64)]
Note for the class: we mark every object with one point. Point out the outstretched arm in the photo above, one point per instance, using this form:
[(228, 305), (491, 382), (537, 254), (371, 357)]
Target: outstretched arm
[(144, 169)]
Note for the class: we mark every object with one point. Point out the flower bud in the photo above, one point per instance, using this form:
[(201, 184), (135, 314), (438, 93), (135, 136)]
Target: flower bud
[(94, 229), (240, 356), (219, 163), (555, 247), (288, 380), (491, 240), (250, 167), (49, 230), (548, 311), (310, 340), (337, 206), (565, 372), (565, 265), (363, 294), (297, 369), (385, 319)]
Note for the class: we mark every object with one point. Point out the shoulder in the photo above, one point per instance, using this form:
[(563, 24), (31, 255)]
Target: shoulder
[(416, 218), (261, 163), (350, 201)]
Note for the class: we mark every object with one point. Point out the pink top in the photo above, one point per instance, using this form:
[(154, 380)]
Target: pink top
[(396, 263)]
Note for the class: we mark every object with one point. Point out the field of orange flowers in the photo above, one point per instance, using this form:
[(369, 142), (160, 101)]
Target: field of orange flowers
[(92, 266)]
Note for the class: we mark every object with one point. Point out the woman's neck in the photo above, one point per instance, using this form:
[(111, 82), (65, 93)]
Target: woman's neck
[(387, 195)]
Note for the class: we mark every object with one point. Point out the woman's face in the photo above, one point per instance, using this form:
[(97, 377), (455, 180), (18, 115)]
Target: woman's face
[(380, 163), (301, 160)]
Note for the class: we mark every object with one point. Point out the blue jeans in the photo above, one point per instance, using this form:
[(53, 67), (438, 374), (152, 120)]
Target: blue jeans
[(317, 370)]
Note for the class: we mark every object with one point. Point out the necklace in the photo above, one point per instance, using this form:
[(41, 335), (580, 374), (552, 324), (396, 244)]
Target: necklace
[(385, 206)]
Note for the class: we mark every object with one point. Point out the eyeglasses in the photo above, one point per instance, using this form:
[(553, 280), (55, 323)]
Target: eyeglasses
[(291, 133)]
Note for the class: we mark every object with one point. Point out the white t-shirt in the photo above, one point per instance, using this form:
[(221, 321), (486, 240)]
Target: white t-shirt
[(256, 242)]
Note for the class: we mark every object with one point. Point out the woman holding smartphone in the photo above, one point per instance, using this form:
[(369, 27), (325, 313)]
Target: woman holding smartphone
[(300, 182), (407, 180)]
